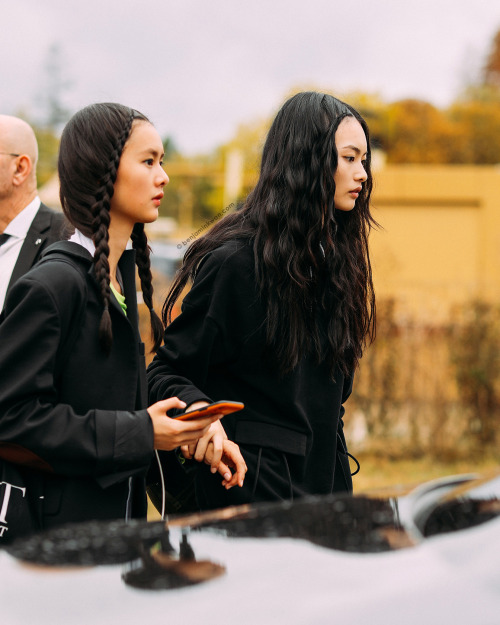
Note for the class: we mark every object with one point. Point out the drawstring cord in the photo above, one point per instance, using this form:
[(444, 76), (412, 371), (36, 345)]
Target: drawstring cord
[(163, 497), (257, 472), (289, 476), (357, 463), (344, 450)]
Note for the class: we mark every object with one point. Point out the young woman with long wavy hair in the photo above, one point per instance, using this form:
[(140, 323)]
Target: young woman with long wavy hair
[(280, 308)]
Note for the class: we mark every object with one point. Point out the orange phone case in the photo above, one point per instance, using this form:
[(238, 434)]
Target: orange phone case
[(223, 406)]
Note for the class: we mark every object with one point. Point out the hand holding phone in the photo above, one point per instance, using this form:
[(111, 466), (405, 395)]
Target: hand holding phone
[(219, 407)]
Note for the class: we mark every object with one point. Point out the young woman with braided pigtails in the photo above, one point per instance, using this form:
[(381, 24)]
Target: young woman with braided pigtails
[(73, 395)]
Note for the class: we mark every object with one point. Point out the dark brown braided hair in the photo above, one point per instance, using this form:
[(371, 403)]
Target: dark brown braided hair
[(89, 155)]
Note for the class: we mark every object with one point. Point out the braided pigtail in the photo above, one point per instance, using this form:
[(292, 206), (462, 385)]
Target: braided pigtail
[(91, 146), (100, 235), (142, 250)]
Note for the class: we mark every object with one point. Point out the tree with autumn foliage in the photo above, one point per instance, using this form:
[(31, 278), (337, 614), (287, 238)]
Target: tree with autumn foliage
[(476, 120), (475, 115), (416, 132)]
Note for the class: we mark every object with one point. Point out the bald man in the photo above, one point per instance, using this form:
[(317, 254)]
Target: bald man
[(26, 225)]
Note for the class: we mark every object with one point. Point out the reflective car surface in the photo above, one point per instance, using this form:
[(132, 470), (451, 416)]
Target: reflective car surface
[(430, 555)]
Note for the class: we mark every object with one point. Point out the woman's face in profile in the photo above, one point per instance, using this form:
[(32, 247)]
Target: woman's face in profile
[(140, 179), (350, 141)]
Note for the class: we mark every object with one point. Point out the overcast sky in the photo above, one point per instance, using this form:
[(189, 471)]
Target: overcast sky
[(198, 68)]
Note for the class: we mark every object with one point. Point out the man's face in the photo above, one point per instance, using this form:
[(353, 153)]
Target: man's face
[(8, 165)]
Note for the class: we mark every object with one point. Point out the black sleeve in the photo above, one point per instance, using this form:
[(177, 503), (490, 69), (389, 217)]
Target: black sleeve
[(103, 444), (206, 333), (346, 393)]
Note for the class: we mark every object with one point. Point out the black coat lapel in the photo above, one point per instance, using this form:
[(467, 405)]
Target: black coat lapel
[(127, 268)]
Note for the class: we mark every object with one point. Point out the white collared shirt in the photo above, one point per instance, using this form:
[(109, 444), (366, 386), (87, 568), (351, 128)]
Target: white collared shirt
[(84, 241), (87, 243), (9, 251)]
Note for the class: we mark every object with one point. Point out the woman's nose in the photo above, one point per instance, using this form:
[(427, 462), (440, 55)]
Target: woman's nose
[(164, 178)]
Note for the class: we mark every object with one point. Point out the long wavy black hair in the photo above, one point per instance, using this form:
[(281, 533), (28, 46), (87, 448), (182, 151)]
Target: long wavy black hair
[(91, 146), (311, 261)]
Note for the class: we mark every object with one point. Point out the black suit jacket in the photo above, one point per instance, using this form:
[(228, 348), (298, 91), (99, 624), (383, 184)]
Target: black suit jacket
[(65, 406), (46, 228)]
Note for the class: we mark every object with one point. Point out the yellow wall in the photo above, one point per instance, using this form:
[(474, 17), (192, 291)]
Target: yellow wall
[(440, 238)]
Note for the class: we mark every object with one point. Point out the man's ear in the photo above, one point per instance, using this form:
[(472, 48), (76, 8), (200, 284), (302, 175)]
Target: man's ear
[(23, 170)]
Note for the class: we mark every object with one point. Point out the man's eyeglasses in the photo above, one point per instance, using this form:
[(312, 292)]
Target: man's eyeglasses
[(9, 154)]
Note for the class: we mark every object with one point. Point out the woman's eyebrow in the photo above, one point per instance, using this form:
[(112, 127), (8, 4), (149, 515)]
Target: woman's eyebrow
[(352, 147), (152, 151)]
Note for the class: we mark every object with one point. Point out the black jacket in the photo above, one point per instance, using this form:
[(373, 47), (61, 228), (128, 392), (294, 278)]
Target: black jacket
[(290, 431), (65, 407), (46, 228)]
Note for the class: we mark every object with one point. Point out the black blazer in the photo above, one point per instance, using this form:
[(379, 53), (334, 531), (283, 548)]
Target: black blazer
[(46, 228), (65, 407)]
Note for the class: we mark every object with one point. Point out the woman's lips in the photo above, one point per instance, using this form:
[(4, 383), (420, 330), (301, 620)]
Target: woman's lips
[(157, 199)]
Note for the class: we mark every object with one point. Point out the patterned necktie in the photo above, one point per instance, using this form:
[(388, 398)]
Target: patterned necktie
[(3, 238)]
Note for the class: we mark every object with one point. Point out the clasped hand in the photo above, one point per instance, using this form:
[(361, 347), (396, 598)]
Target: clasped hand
[(203, 439)]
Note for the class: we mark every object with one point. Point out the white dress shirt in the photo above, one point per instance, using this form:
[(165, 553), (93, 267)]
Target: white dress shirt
[(9, 251), (87, 243), (84, 241)]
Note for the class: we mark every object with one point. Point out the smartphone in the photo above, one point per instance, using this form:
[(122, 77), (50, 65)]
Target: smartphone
[(218, 407)]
